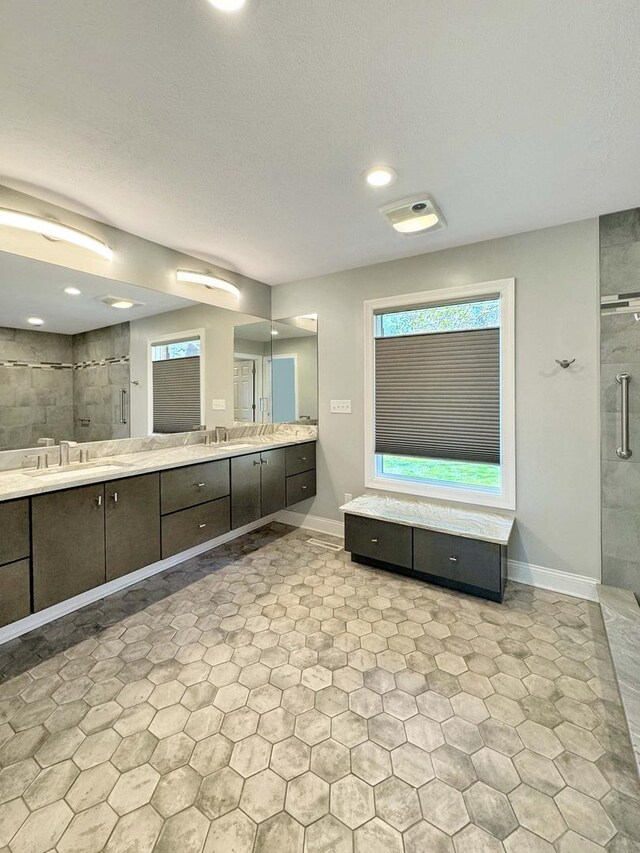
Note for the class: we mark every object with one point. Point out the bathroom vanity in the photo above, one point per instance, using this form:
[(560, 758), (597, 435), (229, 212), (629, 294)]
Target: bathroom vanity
[(66, 531)]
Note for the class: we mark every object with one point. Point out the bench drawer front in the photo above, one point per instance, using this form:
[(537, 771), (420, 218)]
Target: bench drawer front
[(191, 527), (14, 530), (301, 457), (15, 592), (195, 484), (379, 540), (456, 558), (301, 487)]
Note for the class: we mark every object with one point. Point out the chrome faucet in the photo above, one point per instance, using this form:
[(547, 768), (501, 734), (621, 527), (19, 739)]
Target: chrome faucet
[(64, 452), (221, 434)]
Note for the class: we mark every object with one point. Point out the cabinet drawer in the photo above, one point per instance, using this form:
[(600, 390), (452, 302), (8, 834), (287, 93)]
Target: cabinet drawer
[(191, 527), (301, 487), (301, 458), (467, 561), (15, 592), (14, 530), (195, 484), (379, 540)]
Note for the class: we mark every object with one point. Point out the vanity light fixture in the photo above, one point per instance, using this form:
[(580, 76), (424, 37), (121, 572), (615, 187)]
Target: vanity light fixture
[(35, 321), (413, 216), (380, 176), (211, 281), (228, 5), (72, 291), (54, 231)]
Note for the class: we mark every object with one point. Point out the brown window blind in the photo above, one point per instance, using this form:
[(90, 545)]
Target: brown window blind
[(176, 394), (438, 395)]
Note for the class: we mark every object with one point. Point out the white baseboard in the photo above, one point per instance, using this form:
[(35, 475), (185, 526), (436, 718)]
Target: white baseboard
[(311, 522), (36, 620), (579, 586)]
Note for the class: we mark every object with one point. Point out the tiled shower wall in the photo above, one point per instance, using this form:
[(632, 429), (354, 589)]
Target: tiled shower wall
[(36, 393), (620, 353), (49, 382)]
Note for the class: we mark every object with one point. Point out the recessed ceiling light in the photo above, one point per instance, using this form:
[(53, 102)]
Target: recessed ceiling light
[(274, 332), (228, 5), (72, 291), (53, 231), (119, 302), (380, 176), (211, 281), (35, 321), (414, 215)]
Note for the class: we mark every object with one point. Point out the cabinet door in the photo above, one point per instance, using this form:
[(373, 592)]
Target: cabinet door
[(245, 489), (132, 524), (273, 480), (15, 592), (67, 544), (14, 530)]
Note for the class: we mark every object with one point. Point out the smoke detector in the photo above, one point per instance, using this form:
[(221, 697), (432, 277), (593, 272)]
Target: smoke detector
[(414, 215)]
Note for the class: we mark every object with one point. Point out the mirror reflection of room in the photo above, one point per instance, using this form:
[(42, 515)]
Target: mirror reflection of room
[(295, 370)]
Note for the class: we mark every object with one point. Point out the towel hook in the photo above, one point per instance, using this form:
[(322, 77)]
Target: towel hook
[(564, 362)]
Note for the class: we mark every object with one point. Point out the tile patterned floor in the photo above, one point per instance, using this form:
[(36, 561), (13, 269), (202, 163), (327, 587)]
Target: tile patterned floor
[(272, 696)]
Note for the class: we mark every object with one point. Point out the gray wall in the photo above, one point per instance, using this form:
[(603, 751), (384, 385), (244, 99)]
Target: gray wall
[(556, 273), (36, 400), (101, 359), (620, 353)]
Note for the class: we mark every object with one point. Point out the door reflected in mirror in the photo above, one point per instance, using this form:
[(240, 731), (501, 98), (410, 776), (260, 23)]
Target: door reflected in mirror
[(294, 348)]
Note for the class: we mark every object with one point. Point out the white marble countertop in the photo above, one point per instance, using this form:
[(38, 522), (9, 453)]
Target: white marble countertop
[(23, 482), (443, 518)]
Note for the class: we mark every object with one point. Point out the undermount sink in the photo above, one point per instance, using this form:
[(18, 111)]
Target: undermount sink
[(70, 471)]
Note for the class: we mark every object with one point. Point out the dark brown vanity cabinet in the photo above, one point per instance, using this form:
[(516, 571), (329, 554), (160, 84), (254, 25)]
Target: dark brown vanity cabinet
[(258, 486), (15, 585), (67, 531), (132, 532)]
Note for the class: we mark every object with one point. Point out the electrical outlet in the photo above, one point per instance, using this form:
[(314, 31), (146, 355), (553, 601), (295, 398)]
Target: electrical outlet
[(347, 497), (341, 407), (218, 405)]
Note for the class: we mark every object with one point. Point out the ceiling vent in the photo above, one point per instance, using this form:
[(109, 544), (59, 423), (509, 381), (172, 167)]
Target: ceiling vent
[(414, 215)]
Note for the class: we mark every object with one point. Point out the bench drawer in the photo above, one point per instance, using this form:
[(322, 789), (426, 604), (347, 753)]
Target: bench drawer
[(14, 531), (455, 558), (191, 527), (301, 457), (195, 484), (379, 540), (301, 487)]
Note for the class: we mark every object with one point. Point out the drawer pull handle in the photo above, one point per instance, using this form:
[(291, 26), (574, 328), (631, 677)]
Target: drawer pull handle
[(115, 497), (304, 488), (257, 462), (375, 541), (99, 500), (453, 559), (264, 461), (303, 458), (201, 526), (201, 485)]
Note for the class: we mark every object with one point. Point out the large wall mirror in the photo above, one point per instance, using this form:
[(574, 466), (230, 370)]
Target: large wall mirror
[(86, 358)]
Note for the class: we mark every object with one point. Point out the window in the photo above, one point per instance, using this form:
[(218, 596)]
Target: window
[(440, 395), (176, 384)]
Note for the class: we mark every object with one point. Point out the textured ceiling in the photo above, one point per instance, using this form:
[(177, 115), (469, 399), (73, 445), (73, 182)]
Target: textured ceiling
[(242, 138)]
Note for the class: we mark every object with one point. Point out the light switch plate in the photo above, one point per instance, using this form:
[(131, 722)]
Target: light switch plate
[(341, 407), (218, 405)]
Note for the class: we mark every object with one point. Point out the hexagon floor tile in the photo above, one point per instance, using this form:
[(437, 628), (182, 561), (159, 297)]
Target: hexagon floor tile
[(272, 695)]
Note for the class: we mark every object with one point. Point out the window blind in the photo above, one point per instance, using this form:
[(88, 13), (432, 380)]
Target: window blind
[(438, 395), (176, 394)]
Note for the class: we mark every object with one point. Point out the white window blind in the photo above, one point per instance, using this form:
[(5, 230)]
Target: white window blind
[(176, 394)]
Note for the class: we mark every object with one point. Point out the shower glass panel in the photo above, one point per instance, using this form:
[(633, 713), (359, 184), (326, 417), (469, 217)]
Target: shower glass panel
[(620, 397)]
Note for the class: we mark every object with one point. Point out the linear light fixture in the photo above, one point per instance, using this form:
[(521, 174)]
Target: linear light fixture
[(54, 231), (208, 280)]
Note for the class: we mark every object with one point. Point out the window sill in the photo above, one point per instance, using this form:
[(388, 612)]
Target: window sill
[(477, 497)]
